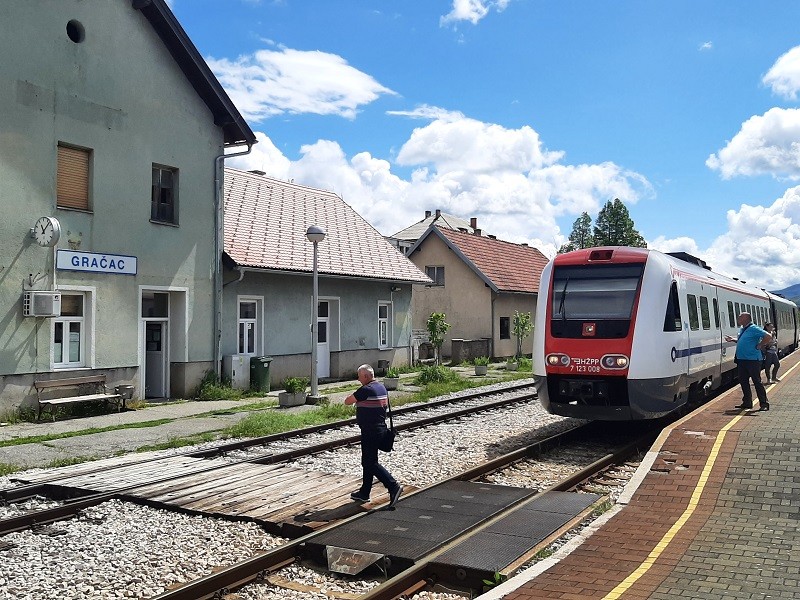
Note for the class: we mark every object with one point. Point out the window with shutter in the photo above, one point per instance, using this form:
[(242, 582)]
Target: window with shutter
[(72, 178)]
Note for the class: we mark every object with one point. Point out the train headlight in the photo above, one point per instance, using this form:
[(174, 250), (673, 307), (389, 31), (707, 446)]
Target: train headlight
[(614, 361), (556, 360)]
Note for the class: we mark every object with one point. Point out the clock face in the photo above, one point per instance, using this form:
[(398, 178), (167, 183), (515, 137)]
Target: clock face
[(46, 231)]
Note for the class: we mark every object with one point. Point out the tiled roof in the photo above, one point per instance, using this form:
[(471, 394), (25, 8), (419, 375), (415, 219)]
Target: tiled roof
[(509, 267), (415, 231), (266, 222)]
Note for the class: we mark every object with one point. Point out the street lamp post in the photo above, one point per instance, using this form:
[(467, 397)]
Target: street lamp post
[(315, 235)]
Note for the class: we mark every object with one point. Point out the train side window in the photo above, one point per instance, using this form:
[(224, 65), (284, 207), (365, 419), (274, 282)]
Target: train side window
[(738, 312), (731, 316), (704, 312), (716, 313), (694, 322), (672, 320)]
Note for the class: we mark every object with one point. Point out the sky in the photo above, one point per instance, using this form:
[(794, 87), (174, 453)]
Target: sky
[(527, 113)]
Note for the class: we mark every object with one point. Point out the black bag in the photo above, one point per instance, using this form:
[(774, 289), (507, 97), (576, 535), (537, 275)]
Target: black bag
[(386, 443)]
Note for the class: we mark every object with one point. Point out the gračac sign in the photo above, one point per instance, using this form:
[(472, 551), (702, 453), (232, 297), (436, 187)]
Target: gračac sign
[(68, 260)]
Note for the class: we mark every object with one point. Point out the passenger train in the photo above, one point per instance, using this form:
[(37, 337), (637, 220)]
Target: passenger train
[(629, 333)]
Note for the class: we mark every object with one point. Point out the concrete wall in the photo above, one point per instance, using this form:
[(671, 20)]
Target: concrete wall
[(120, 94)]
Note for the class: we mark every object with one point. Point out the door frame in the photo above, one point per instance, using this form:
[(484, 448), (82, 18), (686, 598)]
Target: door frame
[(177, 324)]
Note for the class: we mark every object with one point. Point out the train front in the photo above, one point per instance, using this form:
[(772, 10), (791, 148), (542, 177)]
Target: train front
[(584, 332)]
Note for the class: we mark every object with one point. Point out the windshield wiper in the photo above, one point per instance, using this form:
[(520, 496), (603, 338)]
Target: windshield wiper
[(561, 310)]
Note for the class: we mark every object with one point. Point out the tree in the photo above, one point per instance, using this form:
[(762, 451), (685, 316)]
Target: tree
[(614, 227), (581, 236), (522, 327), (437, 328)]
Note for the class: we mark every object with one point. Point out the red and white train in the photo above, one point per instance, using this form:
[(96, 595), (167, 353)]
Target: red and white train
[(629, 333)]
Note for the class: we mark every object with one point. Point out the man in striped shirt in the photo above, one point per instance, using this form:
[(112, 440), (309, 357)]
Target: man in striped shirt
[(371, 400)]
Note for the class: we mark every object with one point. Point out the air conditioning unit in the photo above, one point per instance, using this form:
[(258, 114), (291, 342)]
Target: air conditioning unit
[(41, 304), (237, 368)]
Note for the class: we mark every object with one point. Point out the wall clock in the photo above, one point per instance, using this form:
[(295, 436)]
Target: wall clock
[(46, 231)]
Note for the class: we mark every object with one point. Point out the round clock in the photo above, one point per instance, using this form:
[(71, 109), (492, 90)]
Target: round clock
[(46, 231)]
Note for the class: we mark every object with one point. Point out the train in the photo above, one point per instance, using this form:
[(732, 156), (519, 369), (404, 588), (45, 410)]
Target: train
[(633, 334)]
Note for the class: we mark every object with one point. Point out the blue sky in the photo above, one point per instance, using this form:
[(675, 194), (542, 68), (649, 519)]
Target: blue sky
[(526, 113)]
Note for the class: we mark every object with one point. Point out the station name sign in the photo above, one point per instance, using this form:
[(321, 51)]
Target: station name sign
[(93, 262)]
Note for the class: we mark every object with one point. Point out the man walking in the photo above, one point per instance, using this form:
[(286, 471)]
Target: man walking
[(748, 359)]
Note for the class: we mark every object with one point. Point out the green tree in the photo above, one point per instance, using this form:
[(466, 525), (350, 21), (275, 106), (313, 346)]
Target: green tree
[(522, 327), (437, 328), (581, 236), (614, 227)]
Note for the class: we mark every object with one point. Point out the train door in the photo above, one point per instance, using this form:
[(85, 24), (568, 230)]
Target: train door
[(704, 343)]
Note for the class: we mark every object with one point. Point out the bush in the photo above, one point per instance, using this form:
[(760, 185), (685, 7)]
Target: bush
[(393, 372), (211, 388), (295, 385), (481, 361), (438, 374), (525, 363)]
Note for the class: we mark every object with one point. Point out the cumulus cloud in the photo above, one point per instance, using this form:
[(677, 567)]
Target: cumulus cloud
[(767, 144), (472, 10), (761, 246), (784, 76), (274, 82)]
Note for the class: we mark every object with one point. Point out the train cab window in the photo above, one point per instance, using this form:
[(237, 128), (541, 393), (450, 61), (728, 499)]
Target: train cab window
[(694, 321), (672, 320), (731, 316), (716, 313), (704, 314)]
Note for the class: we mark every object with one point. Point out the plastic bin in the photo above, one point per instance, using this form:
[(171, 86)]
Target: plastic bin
[(259, 373)]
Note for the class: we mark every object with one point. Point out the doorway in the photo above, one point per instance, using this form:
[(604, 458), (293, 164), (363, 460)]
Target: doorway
[(323, 343)]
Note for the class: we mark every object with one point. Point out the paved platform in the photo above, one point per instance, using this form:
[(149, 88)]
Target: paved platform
[(713, 513)]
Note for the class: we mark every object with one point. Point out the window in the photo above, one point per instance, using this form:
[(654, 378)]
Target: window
[(69, 333), (384, 325), (164, 201), (72, 178), (505, 328), (248, 334), (731, 315), (716, 314), (694, 321), (436, 274), (706, 316), (672, 319)]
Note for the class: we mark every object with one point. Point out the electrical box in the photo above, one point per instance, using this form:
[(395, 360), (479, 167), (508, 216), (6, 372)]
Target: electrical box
[(236, 367), (41, 304)]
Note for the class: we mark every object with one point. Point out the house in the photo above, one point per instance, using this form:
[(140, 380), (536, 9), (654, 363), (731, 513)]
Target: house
[(479, 281), (112, 128), (405, 239), (364, 298)]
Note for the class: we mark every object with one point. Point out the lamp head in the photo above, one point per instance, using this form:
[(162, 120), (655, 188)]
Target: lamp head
[(315, 234)]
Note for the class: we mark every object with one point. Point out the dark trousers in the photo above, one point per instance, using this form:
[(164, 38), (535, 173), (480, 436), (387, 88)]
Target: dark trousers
[(751, 369), (369, 461), (772, 361)]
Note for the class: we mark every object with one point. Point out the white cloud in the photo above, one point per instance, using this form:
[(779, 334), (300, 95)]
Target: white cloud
[(761, 246), (472, 10), (706, 46), (767, 144), (273, 82), (784, 76), (428, 112)]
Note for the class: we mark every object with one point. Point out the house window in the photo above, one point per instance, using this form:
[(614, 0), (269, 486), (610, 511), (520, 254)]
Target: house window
[(436, 274), (72, 178), (69, 333), (384, 325), (505, 328), (164, 202), (248, 332)]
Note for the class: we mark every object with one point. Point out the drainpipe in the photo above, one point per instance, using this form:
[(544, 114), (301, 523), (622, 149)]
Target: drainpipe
[(219, 221)]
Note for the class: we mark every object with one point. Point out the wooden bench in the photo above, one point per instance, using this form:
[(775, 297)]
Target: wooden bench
[(92, 383)]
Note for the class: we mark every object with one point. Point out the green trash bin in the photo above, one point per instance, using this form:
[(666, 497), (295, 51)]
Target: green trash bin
[(259, 373)]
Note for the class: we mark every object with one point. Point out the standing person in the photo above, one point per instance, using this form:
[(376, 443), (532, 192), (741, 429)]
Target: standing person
[(771, 355), (371, 400), (748, 358)]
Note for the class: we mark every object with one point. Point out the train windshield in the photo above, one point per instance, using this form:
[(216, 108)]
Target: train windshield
[(600, 293)]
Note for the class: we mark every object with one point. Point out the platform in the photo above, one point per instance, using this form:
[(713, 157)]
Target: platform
[(713, 513)]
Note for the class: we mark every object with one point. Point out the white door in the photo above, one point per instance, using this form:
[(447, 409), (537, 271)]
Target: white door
[(155, 362), (323, 345)]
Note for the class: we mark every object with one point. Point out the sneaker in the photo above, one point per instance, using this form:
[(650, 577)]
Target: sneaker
[(776, 379), (359, 497), (769, 381), (395, 495)]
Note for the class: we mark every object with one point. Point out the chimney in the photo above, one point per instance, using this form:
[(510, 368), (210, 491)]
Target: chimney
[(427, 214), (477, 232), (473, 222), (438, 213)]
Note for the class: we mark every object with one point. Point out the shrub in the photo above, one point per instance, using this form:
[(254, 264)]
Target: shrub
[(481, 361), (393, 372), (211, 388), (295, 385), (525, 363), (437, 374)]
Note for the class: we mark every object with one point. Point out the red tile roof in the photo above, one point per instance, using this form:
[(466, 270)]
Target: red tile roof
[(266, 222), (509, 267)]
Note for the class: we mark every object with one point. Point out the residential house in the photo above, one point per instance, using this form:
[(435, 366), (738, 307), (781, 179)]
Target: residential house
[(364, 298), (111, 128), (479, 282), (405, 239)]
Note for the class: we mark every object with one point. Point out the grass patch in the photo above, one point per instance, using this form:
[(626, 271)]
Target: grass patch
[(199, 438), (268, 423), (37, 439), (7, 469)]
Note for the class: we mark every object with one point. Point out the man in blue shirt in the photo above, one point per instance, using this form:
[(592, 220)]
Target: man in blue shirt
[(748, 358)]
